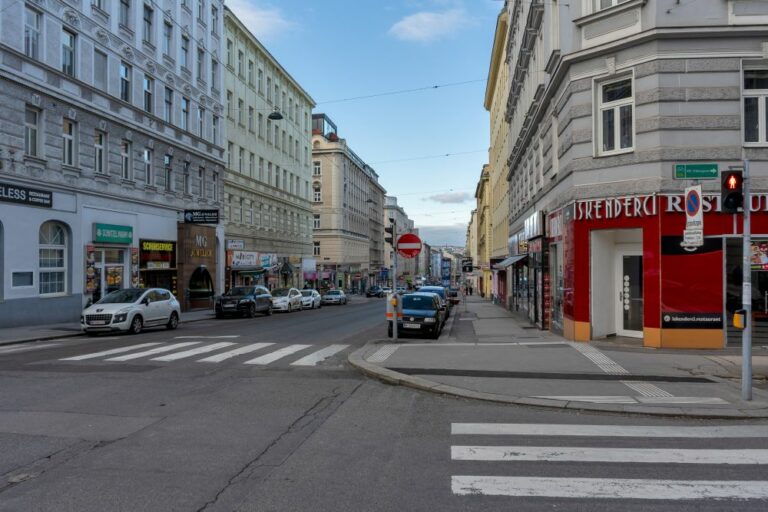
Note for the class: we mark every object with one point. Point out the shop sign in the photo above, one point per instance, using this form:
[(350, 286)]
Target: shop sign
[(268, 260), (112, 234), (615, 208), (201, 216), (245, 259), (693, 235), (679, 320), (533, 226), (157, 254), (522, 246), (235, 245), (23, 195), (201, 250)]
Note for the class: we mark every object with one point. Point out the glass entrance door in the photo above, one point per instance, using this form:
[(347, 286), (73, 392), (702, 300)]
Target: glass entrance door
[(110, 271), (629, 321)]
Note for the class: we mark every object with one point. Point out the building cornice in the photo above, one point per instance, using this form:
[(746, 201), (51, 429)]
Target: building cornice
[(498, 48)]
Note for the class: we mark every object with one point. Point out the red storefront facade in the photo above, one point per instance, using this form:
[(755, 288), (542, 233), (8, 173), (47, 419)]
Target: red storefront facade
[(618, 269)]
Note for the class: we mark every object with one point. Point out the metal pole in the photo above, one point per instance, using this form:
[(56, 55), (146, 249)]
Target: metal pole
[(746, 292), (394, 282)]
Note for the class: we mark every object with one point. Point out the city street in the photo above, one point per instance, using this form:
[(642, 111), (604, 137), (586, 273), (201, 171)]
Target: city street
[(227, 422)]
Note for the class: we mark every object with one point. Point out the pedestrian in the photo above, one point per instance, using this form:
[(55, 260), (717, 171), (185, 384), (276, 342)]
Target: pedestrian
[(470, 289)]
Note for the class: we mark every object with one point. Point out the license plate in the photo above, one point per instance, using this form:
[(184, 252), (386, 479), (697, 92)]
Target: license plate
[(98, 322), (412, 326), (229, 306)]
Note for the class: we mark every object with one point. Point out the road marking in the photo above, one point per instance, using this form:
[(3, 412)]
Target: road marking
[(236, 352), (646, 388), (603, 362), (206, 337), (383, 354), (151, 352), (632, 455), (608, 488), (109, 352), (316, 357), (277, 354), (11, 350), (194, 351), (607, 399), (546, 429)]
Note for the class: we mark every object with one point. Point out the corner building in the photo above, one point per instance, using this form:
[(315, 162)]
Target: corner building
[(606, 99)]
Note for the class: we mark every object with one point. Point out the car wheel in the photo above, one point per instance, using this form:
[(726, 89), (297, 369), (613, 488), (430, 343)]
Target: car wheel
[(289, 308), (136, 325), (252, 311), (173, 322), (269, 310)]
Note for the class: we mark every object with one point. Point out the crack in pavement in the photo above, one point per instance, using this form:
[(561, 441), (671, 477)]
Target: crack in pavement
[(314, 415)]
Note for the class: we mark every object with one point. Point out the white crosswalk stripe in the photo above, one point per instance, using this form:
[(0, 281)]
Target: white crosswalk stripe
[(153, 351), (193, 352), (277, 354), (320, 355), (747, 460), (109, 352), (236, 352)]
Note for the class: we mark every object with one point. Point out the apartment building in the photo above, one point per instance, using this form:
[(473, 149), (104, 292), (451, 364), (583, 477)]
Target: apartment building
[(267, 211), (111, 156), (406, 267)]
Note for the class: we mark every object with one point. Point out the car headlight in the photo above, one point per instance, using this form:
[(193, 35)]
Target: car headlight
[(120, 317), (429, 320)]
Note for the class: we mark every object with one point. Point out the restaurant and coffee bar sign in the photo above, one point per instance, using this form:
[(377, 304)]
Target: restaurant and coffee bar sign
[(24, 195), (649, 206)]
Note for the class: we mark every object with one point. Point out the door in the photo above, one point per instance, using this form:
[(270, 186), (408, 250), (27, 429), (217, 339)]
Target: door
[(155, 308), (629, 277)]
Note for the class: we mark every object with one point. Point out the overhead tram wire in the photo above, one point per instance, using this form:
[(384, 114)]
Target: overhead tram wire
[(401, 91)]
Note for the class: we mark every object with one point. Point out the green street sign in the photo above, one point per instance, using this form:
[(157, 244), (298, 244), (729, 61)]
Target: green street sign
[(696, 172), (112, 234)]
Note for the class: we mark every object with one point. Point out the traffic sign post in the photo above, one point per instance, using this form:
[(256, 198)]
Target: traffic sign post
[(408, 245), (693, 235), (746, 292)]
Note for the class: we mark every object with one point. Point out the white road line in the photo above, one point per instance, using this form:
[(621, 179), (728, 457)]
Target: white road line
[(603, 362), (11, 350), (194, 351), (320, 355), (383, 354), (646, 388), (277, 354), (609, 488), (206, 337), (236, 352), (109, 352), (151, 352), (546, 429), (632, 455), (600, 399)]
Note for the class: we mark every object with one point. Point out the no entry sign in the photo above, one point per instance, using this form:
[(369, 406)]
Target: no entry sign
[(408, 245)]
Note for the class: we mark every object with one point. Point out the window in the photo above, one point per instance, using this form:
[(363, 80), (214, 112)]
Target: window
[(240, 63), (185, 52), (31, 33), (318, 197), (316, 222), (277, 137), (214, 19), (147, 159), (269, 89), (201, 9), (201, 121), (261, 125), (68, 52), (261, 169), (269, 131), (215, 127), (229, 104), (251, 165), (250, 118), (201, 180), (261, 81), (250, 72), (241, 160), (230, 150), (755, 111), (69, 133), (605, 4), (101, 4), (240, 108), (316, 168), (168, 105), (187, 188), (215, 186), (168, 173), (269, 173), (615, 118), (200, 64), (214, 74), (125, 82), (124, 13), (229, 52), (125, 160), (99, 153), (52, 259), (149, 14), (316, 248), (31, 132), (149, 85), (100, 70), (167, 38), (184, 113)]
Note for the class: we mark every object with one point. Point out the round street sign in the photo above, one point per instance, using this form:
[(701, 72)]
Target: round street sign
[(692, 203), (408, 245)]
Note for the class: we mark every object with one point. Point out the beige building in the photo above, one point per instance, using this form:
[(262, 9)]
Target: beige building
[(347, 202), (470, 250), (406, 267), (267, 208), (482, 195)]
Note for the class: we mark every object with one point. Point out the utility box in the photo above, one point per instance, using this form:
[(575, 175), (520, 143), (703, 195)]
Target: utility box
[(394, 303), (740, 319)]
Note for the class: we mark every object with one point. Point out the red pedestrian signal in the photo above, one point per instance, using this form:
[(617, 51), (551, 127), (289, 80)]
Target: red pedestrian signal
[(732, 191)]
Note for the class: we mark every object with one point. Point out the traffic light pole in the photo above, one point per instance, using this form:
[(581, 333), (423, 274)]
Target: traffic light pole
[(394, 287), (746, 291)]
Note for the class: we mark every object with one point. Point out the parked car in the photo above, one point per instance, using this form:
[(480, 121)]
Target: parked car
[(335, 297), (442, 293), (131, 310), (386, 290), (244, 300), (401, 290), (310, 299), (453, 295), (375, 291), (286, 299), (423, 313)]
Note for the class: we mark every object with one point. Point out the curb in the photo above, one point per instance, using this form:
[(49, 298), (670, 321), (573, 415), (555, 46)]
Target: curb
[(400, 379)]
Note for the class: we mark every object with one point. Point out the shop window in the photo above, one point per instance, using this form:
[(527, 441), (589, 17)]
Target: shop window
[(200, 284), (615, 117), (52, 259), (755, 111)]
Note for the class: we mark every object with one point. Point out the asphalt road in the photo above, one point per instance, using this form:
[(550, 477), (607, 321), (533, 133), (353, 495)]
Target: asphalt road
[(181, 431)]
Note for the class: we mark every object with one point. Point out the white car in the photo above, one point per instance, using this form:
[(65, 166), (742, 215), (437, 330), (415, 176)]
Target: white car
[(387, 290), (286, 299), (310, 299), (335, 297), (131, 310)]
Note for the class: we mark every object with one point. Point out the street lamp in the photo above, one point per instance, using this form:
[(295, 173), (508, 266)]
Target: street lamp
[(275, 115)]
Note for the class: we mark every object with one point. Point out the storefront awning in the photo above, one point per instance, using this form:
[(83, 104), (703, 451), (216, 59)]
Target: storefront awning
[(509, 261)]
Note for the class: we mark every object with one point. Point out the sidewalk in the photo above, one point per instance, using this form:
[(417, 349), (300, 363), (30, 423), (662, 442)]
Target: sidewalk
[(29, 333), (488, 353)]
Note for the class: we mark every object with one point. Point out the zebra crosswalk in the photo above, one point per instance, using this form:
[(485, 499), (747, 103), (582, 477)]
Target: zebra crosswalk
[(597, 447), (217, 352)]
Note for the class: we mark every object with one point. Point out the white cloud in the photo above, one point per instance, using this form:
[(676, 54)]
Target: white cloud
[(263, 21), (429, 26), (451, 197)]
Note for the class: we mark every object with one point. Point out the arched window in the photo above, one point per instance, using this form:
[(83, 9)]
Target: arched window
[(53, 259)]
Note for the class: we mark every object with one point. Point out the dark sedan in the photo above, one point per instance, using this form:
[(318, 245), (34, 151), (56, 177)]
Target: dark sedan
[(423, 313), (374, 291), (244, 300)]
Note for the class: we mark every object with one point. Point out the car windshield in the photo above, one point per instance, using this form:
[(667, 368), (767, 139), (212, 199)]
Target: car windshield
[(306, 293), (280, 292), (240, 290), (417, 302), (334, 292), (123, 296)]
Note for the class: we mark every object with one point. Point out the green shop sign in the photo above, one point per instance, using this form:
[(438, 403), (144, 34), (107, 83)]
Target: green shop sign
[(112, 234)]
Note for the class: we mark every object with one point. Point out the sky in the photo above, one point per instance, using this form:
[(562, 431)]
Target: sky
[(343, 49)]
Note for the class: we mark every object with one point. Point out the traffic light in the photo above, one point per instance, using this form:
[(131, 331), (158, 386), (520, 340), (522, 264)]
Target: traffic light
[(731, 191), (390, 230)]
